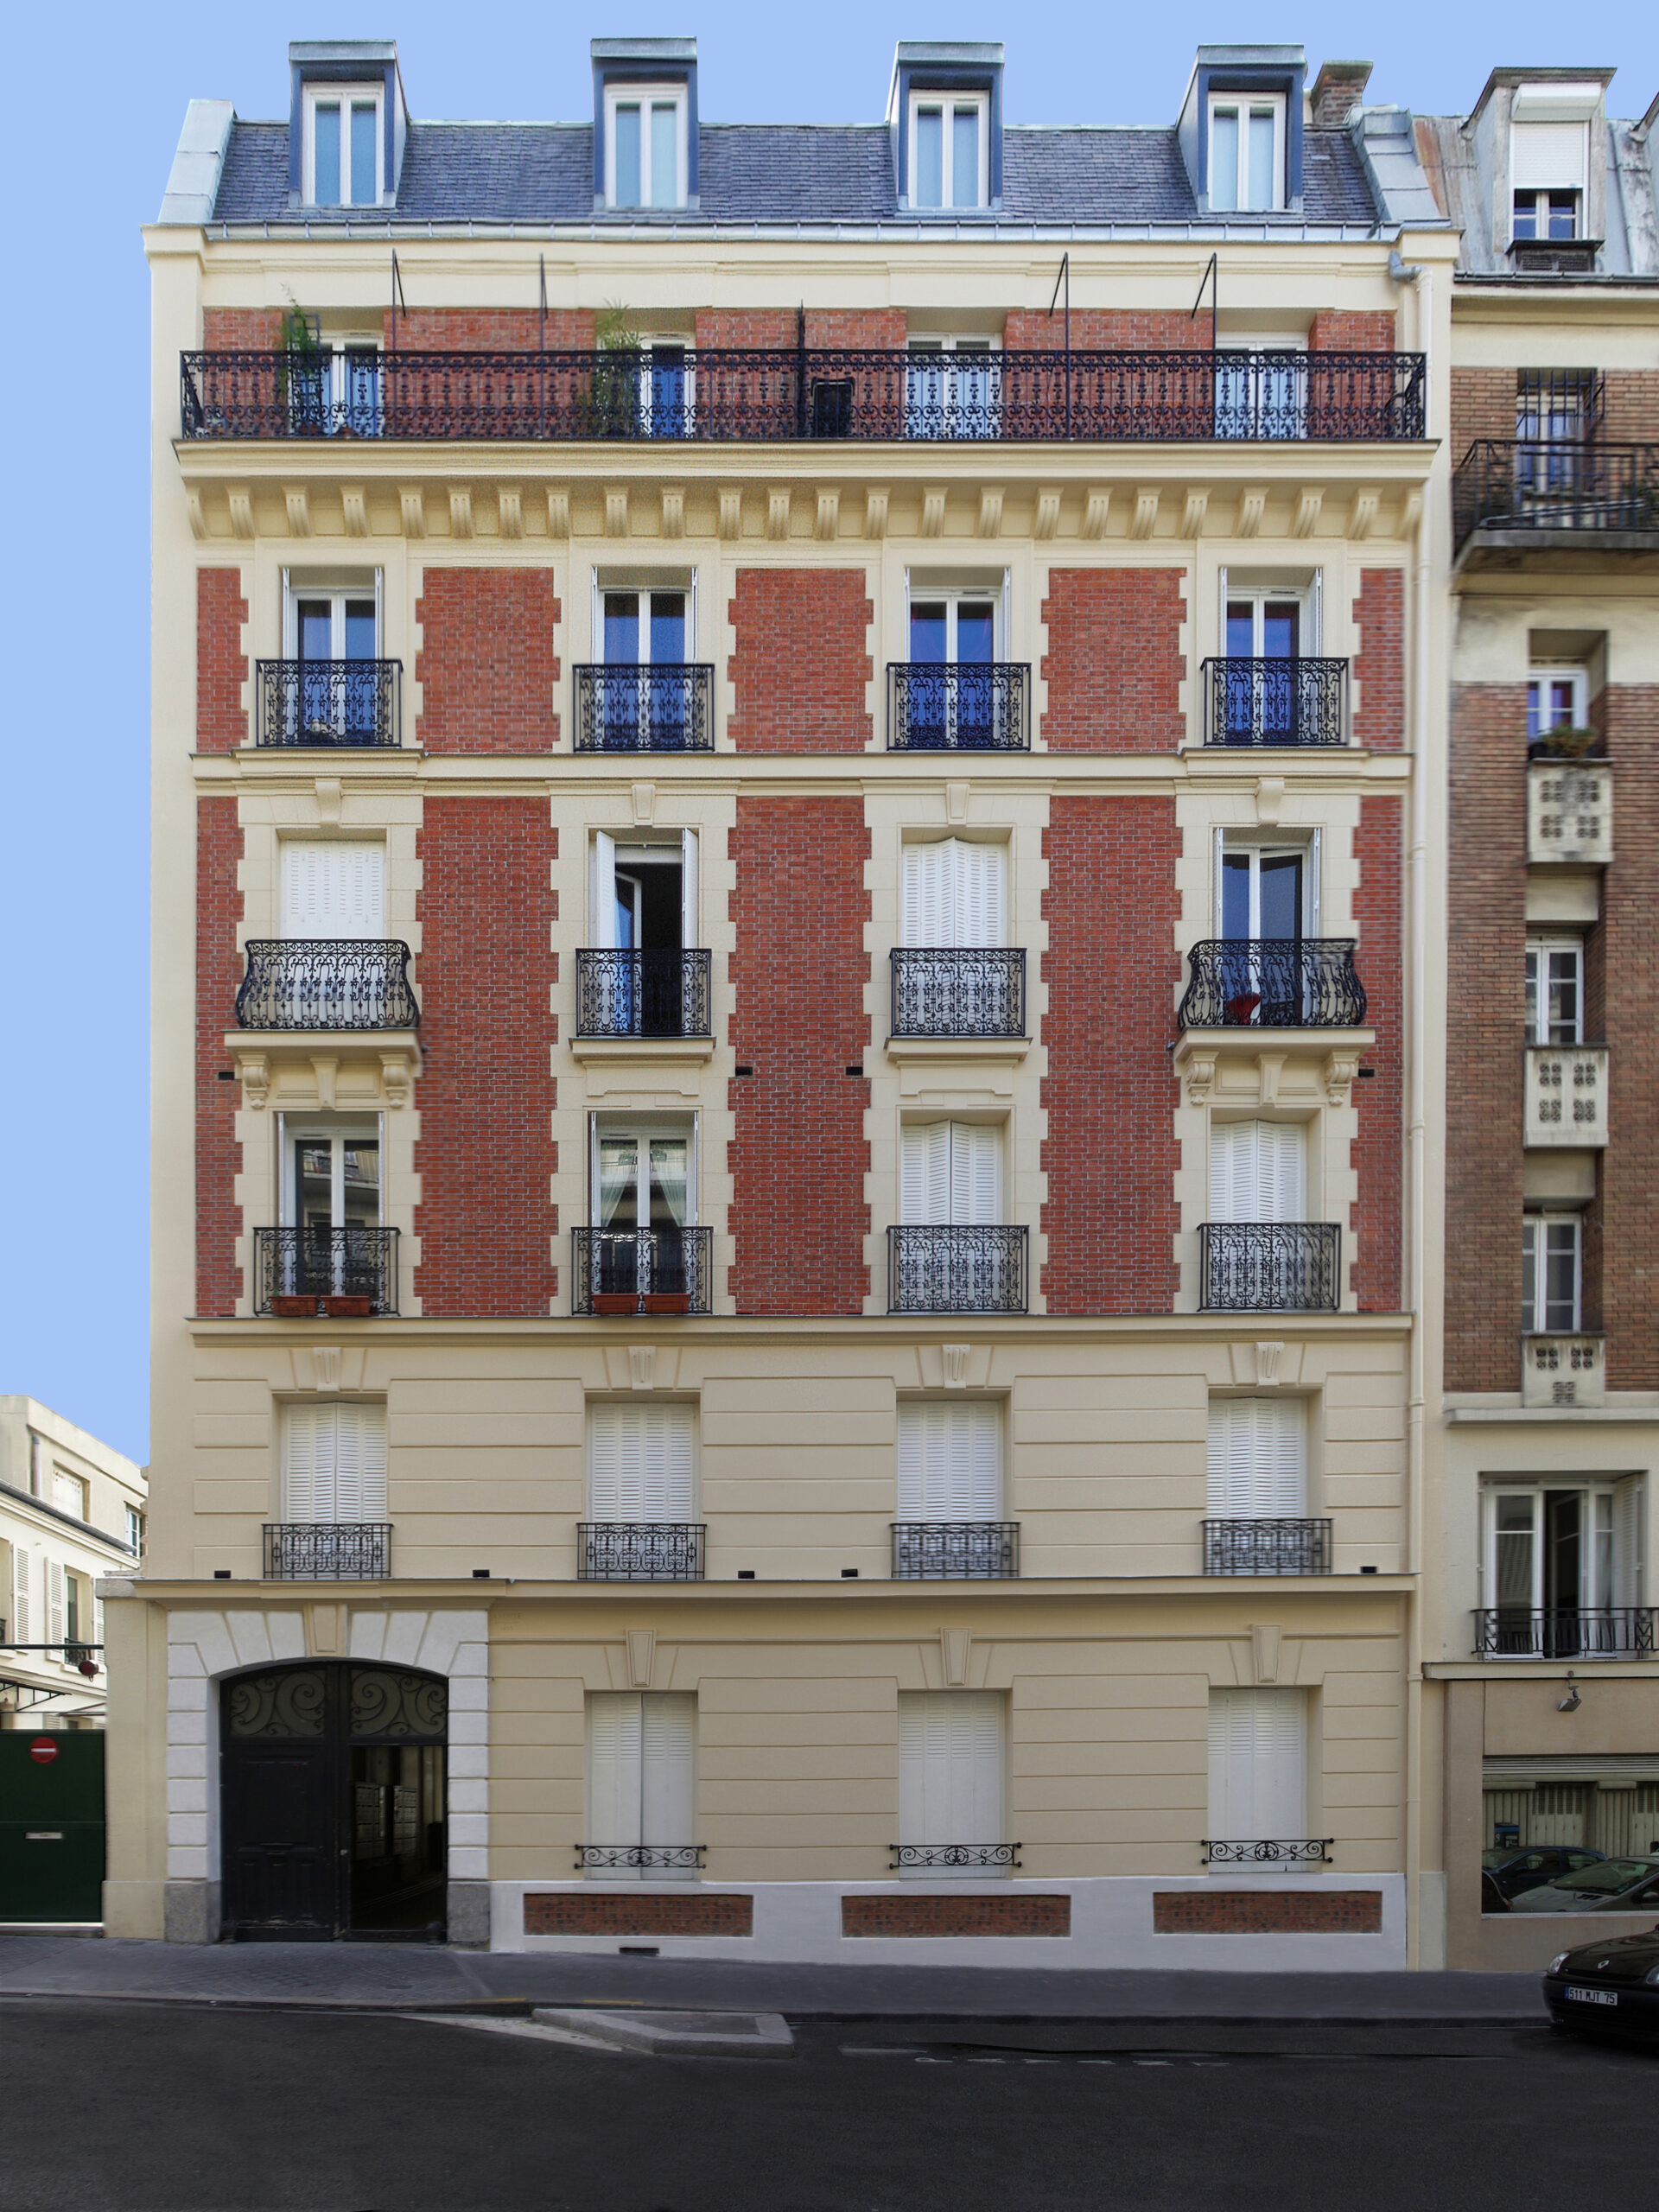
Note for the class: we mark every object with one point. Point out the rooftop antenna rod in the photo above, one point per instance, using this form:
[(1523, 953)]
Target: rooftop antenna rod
[(1065, 277), (1212, 277)]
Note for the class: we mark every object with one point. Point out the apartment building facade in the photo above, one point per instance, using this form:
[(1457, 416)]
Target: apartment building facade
[(793, 1114), (1541, 1651)]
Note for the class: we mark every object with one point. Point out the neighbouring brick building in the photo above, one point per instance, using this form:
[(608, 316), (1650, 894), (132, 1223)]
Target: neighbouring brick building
[(793, 1112)]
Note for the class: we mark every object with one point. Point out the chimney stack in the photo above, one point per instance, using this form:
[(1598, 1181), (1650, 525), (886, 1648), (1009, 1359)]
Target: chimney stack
[(1339, 86)]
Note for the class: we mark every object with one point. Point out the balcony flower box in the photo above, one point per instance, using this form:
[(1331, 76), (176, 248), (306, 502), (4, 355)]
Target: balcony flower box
[(614, 1302), (667, 1301), (348, 1309), (293, 1308)]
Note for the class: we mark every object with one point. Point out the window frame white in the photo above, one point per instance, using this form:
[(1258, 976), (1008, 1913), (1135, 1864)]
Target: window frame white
[(1536, 1224), (346, 97), (950, 104), (339, 1131), (1308, 846), (643, 1126), (1540, 952), (643, 591), (996, 594), (1244, 105), (1542, 676), (295, 591), (646, 97), (1606, 1580)]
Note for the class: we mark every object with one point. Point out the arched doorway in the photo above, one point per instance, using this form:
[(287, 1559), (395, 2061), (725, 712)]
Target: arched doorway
[(333, 1785)]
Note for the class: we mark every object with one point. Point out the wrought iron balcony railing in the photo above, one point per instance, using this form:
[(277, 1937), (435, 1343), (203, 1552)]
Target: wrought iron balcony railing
[(790, 394), (329, 703), (1565, 1631), (327, 983), (933, 1268), (623, 1271), (639, 1551), (636, 707), (328, 1551), (1272, 983), (1303, 702), (953, 1858), (956, 1551), (643, 993), (640, 1858), (346, 1273), (1275, 1851), (1271, 1266), (1267, 1547), (958, 707), (1583, 486), (943, 992)]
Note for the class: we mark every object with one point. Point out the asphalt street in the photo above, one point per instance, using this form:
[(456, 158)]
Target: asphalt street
[(139, 2108)]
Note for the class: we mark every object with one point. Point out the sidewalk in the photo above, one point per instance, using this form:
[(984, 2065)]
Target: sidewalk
[(401, 1978)]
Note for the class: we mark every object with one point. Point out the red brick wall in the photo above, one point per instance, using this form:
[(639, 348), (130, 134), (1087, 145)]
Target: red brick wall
[(1376, 1155), (1630, 404), (233, 330), (802, 661), (1380, 664), (463, 330), (1486, 1026), (1339, 331), (485, 1151), (221, 664), (1153, 328), (799, 973), (1114, 664), (872, 327), (1033, 1913), (588, 1913), (488, 671), (1628, 1201), (219, 971), (1483, 406), (1111, 1153), (1267, 1912)]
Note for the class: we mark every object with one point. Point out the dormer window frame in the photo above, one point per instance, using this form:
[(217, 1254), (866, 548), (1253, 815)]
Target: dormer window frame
[(344, 95), (950, 103), (1244, 105), (647, 96)]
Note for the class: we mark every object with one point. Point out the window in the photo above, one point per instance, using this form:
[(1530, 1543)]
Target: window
[(949, 1460), (343, 145), (640, 1462), (950, 150), (340, 624), (951, 1171), (21, 1610), (1550, 1274), (642, 1765), (1264, 396), (1258, 1171), (331, 1176), (642, 1177), (1549, 1550), (644, 897), (953, 388), (1264, 891), (953, 893), (333, 1462), (333, 696), (646, 164), (954, 629), (69, 1493), (951, 1766), (1555, 991), (646, 688), (1547, 175), (951, 695), (1555, 700), (135, 1521), (1258, 1459), (1247, 152), (646, 628), (1258, 1765), (329, 889)]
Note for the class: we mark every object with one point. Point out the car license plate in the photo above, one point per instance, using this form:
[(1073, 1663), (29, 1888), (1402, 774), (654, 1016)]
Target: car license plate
[(1591, 1996)]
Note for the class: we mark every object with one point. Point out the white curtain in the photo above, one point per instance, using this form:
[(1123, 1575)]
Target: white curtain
[(668, 1175), (1258, 1764), (1258, 1459), (951, 1786), (949, 1459), (618, 1172)]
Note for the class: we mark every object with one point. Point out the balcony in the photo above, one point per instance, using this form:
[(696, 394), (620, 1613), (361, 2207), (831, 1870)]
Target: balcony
[(1269, 1851), (939, 991), (1272, 983), (1515, 494), (958, 707), (342, 1274), (956, 1551), (328, 1551), (315, 983), (789, 395), (1267, 1547), (632, 706), (934, 1268), (644, 994), (639, 1551), (648, 1859), (1275, 702), (954, 1857), (619, 1272), (1563, 1371), (1565, 1095), (1570, 811), (1270, 1267), (329, 703), (1565, 1631)]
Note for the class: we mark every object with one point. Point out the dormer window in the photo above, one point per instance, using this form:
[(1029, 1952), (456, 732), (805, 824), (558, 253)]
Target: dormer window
[(645, 145), (950, 140), (343, 145), (1547, 163), (1247, 151)]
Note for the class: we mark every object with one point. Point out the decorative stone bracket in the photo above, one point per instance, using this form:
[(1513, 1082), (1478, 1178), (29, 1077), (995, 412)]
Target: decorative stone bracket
[(325, 1069), (1270, 1067)]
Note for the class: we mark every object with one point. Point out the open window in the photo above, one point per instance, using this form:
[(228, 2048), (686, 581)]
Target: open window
[(1266, 890), (645, 975), (1562, 1565), (953, 388)]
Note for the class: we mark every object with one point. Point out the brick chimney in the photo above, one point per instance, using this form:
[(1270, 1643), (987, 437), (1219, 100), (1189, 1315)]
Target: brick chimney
[(1339, 86)]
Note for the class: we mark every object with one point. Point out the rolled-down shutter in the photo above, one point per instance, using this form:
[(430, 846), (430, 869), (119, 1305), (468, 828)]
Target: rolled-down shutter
[(640, 1462), (949, 1460), (950, 1766), (1543, 155), (332, 890), (1258, 1764), (1258, 1458)]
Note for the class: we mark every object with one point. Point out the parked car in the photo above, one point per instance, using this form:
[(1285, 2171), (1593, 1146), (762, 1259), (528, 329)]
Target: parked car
[(1612, 1885), (1493, 1900), (1612, 1985), (1514, 1871)]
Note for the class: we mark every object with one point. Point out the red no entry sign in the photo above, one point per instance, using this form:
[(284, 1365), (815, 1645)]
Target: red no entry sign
[(43, 1751)]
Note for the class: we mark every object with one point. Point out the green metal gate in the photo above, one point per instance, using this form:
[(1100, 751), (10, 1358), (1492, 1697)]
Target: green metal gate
[(51, 1825)]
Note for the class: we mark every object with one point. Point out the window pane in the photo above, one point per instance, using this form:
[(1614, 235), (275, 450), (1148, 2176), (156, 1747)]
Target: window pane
[(1563, 215), (313, 1181), (668, 627), (1529, 1275), (1561, 1288), (1224, 159), (965, 157), (1281, 895), (1526, 215), (1235, 895), (1261, 179), (975, 625), (359, 629), (628, 157), (1533, 1037), (324, 152), (1563, 999), (927, 631), (665, 154), (1280, 626), (618, 1170), (622, 626), (362, 1196), (1241, 628), (1535, 710), (363, 164), (1560, 702), (1513, 1545), (930, 157), (316, 629)]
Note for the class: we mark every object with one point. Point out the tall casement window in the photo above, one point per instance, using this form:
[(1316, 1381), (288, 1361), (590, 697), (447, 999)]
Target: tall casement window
[(642, 1795), (1551, 1274), (332, 692), (1266, 631), (949, 1460), (343, 145), (1555, 700), (637, 980), (952, 388), (333, 1462), (641, 1461), (1258, 1765), (1550, 1552), (954, 893), (645, 161), (1258, 1459), (642, 1176), (647, 688), (1258, 1170), (1548, 166), (1247, 151), (330, 1173), (949, 149), (950, 1781), (1555, 990), (1265, 891), (951, 1171)]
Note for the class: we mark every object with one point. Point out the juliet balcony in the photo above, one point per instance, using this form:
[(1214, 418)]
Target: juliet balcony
[(1267, 1546), (936, 1267), (946, 992), (348, 1272), (636, 707), (956, 1551), (958, 707), (316, 984), (1569, 807), (644, 994), (639, 1551), (616, 1272), (1272, 983), (1565, 1631), (1517, 495), (1565, 1096), (329, 703), (804, 395), (328, 1551), (1270, 1267), (1300, 703)]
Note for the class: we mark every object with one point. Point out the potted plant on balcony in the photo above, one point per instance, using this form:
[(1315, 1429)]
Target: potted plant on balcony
[(293, 1305), (610, 407), (1565, 744)]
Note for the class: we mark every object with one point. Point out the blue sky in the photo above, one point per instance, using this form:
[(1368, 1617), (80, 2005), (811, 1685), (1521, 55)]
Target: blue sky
[(83, 169)]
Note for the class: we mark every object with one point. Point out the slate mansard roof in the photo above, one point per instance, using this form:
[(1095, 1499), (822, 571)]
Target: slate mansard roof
[(778, 172)]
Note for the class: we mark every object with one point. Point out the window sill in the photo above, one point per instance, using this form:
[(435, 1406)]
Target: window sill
[(637, 1052)]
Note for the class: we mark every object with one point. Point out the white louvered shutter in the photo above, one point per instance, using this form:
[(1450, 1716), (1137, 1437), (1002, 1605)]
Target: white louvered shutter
[(953, 893), (23, 1612), (1258, 1459), (359, 1468), (1542, 155), (332, 890), (302, 1488), (1629, 1509), (615, 1748), (949, 1460), (923, 895), (668, 1779), (1257, 1170), (950, 1767), (982, 875), (925, 1171), (1258, 1764), (640, 1462), (1282, 1151), (975, 1172), (601, 892), (54, 1602)]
